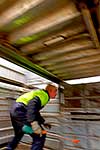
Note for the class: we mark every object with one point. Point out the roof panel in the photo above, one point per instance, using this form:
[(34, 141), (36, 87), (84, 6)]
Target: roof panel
[(61, 41)]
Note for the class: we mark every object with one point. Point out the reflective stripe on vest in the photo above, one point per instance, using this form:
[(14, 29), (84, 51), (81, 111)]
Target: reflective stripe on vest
[(25, 98)]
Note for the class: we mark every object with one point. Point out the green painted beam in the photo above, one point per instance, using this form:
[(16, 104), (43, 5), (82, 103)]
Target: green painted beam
[(12, 56)]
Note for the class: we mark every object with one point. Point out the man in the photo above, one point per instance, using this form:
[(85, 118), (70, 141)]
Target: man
[(25, 111)]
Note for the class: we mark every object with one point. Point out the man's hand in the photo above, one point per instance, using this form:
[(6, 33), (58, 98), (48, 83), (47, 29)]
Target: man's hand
[(36, 128), (47, 125)]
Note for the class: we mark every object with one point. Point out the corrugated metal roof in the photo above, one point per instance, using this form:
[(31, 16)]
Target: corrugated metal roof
[(62, 37)]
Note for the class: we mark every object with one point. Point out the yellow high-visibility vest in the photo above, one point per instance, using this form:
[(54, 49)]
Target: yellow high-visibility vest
[(43, 96)]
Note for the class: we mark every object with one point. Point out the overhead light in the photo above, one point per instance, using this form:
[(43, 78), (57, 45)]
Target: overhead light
[(84, 80)]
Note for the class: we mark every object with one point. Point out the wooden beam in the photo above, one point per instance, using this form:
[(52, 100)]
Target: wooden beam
[(89, 24)]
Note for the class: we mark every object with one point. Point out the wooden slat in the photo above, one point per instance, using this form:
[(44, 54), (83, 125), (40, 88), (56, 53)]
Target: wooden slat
[(68, 56)]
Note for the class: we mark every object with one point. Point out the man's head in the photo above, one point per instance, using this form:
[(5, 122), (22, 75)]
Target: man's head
[(52, 90)]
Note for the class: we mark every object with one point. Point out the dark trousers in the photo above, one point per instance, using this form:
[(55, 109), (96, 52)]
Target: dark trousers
[(18, 120), (37, 144)]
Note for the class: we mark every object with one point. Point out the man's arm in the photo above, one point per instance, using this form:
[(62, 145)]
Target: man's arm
[(40, 119), (33, 111)]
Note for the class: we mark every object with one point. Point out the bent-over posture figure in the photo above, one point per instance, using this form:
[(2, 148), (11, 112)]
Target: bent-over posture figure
[(25, 111)]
